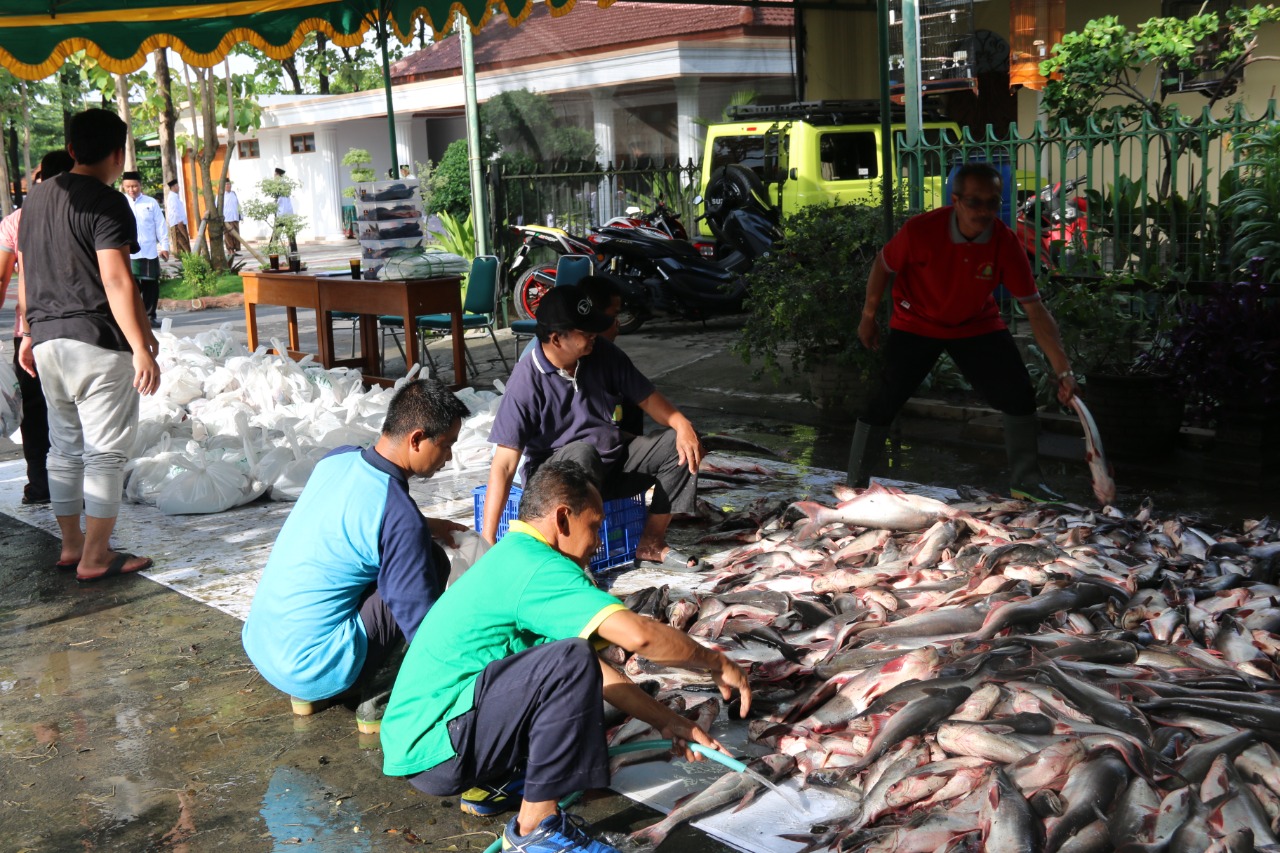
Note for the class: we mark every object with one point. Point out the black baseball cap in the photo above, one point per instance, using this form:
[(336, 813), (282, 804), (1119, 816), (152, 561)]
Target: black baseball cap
[(567, 307)]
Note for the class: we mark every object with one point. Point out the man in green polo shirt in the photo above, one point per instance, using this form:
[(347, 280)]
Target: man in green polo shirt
[(503, 671)]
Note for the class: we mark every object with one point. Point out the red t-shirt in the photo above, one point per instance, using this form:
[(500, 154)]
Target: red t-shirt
[(943, 289)]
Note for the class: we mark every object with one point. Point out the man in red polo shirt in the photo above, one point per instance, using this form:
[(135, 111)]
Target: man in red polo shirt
[(943, 267)]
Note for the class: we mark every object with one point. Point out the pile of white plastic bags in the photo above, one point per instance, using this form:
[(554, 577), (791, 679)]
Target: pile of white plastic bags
[(228, 425)]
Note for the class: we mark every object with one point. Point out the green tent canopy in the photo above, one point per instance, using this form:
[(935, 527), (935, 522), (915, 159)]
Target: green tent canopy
[(36, 36)]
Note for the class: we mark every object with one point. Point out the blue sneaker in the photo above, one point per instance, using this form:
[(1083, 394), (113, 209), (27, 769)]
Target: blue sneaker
[(560, 833)]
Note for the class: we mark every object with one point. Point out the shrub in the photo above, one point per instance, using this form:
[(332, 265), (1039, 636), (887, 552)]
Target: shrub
[(805, 297), (198, 275)]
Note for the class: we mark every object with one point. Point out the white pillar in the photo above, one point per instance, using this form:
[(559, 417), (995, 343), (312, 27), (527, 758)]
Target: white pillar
[(602, 119), (404, 143), (689, 133), (325, 221)]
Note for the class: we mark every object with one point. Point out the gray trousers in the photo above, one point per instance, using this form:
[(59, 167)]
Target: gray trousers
[(93, 422), (650, 460)]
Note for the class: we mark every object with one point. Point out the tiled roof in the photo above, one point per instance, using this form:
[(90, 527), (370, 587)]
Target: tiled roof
[(589, 29)]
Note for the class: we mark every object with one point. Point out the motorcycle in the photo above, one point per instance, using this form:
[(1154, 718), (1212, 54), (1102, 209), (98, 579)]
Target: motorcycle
[(657, 273), (1057, 234)]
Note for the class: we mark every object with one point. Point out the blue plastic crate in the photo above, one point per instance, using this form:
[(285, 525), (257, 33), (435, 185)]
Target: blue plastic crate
[(619, 533)]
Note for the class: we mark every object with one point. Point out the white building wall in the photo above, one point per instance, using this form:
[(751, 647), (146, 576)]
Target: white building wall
[(358, 120)]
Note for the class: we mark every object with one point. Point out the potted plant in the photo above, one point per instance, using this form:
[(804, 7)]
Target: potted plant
[(1108, 328), (804, 300), (1224, 355), (265, 209)]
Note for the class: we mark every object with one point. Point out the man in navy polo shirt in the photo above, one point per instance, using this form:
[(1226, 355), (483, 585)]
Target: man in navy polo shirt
[(559, 404)]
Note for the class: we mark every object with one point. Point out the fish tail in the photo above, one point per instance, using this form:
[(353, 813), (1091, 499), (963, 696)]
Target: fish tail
[(651, 836), (816, 514)]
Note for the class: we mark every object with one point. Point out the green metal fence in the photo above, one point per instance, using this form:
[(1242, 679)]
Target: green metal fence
[(1151, 192)]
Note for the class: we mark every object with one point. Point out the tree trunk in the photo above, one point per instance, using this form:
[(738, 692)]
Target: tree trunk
[(291, 69), (26, 134), (15, 175), (195, 155), (208, 151), (168, 118), (321, 42), (122, 102), (6, 200), (68, 86)]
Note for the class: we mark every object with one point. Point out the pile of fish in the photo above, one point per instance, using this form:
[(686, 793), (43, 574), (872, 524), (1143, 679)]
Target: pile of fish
[(996, 675)]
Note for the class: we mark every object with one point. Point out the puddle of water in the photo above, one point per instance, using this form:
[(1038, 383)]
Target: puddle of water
[(299, 809)]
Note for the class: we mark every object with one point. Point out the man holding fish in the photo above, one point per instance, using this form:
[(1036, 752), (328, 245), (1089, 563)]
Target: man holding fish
[(943, 268), (503, 672)]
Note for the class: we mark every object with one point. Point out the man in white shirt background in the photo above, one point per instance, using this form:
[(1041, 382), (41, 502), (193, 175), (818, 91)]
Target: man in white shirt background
[(230, 218), (153, 242), (284, 207), (175, 210)]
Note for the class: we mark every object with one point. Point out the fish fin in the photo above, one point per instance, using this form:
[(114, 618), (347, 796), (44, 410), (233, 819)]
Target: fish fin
[(774, 731), (748, 799)]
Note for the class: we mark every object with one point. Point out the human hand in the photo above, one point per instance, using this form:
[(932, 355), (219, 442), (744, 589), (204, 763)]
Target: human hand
[(731, 678), (146, 373), (681, 731), (164, 254), (443, 530), (1067, 388), (869, 332), (689, 447), (27, 356)]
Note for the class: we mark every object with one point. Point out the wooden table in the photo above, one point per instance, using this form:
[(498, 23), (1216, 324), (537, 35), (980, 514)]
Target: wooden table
[(405, 299)]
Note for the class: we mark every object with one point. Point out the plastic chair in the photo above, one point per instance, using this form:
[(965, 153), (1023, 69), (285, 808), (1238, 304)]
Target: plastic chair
[(353, 323), (570, 269), (477, 311)]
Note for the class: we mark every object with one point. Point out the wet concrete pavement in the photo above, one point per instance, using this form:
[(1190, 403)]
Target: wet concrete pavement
[(130, 718)]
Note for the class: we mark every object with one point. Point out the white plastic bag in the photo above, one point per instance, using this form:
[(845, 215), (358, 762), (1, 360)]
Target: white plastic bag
[(464, 548), (207, 486)]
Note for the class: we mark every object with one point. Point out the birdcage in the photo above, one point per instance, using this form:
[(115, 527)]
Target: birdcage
[(946, 47), (1036, 26)]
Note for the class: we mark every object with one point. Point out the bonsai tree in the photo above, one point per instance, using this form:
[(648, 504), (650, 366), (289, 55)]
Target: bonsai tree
[(361, 168), (264, 209), (1098, 71)]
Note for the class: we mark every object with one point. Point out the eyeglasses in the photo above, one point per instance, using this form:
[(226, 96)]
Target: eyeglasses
[(974, 202)]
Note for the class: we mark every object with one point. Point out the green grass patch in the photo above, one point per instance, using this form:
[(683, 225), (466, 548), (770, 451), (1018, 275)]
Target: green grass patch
[(176, 288)]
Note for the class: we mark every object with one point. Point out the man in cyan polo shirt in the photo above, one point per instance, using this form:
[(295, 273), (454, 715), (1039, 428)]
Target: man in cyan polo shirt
[(942, 268), (503, 672), (559, 405), (354, 568)]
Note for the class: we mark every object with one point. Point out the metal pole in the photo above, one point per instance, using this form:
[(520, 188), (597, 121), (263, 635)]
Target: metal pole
[(911, 91), (383, 35), (886, 120), (479, 214)]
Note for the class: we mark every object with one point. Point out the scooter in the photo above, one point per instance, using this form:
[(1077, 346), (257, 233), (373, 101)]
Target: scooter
[(1059, 236), (657, 273), (673, 278)]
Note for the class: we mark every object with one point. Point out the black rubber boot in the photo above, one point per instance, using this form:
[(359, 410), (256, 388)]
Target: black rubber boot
[(865, 453), (1021, 443)]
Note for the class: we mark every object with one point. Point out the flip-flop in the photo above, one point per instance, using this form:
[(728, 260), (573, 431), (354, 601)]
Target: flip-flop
[(70, 564), (672, 561), (116, 568)]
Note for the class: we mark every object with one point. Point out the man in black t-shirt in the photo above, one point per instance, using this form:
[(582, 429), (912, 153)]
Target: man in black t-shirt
[(83, 324)]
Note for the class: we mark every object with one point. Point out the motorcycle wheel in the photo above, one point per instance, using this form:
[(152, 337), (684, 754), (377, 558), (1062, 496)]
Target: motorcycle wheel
[(530, 288), (630, 319)]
